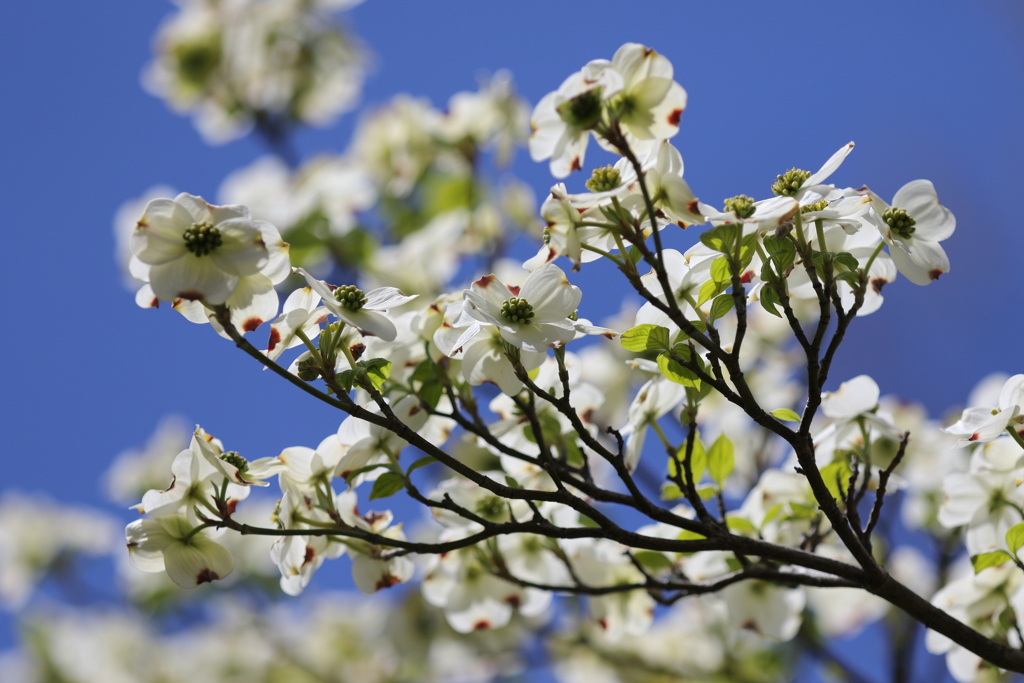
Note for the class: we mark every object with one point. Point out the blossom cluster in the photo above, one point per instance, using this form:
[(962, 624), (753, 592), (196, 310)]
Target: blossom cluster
[(237, 64), (477, 387)]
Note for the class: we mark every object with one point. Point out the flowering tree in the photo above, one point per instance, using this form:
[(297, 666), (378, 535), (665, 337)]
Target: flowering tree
[(760, 511)]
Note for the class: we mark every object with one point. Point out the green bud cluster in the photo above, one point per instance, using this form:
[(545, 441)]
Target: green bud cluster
[(582, 111), (603, 179), (350, 296), (516, 310), (233, 458), (741, 205), (547, 235), (787, 184), (202, 238), (308, 370), (900, 222), (575, 315), (490, 507), (819, 205)]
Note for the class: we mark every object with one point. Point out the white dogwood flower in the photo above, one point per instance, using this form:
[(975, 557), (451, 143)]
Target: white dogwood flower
[(363, 311), (172, 544), (197, 251), (534, 317)]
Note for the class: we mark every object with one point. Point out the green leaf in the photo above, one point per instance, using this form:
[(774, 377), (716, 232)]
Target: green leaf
[(721, 306), (573, 453), (845, 258), (645, 337), (377, 371), (851, 276), (721, 459), (356, 472), (652, 560), (670, 491), (769, 299), (687, 535), (782, 253), (720, 270), (740, 525), (676, 372), (722, 238), (989, 559), (422, 462), (820, 259), (430, 392), (634, 255), (588, 522), (835, 475), (707, 492), (1015, 537), (708, 290), (511, 482), (786, 415), (387, 484), (698, 460)]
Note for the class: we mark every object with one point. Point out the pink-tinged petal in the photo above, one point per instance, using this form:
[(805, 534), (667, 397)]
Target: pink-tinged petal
[(926, 262), (544, 256), (195, 278), (829, 167), (853, 397), (550, 294), (570, 153), (383, 298), (1012, 393), (933, 221), (253, 302), (158, 236), (490, 293), (242, 251), (667, 114), (145, 298), (369, 323), (198, 561), (371, 575)]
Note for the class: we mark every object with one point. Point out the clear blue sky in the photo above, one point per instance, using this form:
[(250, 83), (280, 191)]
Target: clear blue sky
[(931, 90)]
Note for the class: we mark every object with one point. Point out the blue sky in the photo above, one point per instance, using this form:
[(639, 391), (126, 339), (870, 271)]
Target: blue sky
[(931, 90)]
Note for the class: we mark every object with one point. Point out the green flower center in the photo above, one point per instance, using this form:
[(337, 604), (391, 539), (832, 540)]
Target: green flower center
[(233, 458), (490, 507), (198, 60), (516, 310), (900, 222), (350, 296), (741, 205), (202, 238), (819, 205), (623, 105), (787, 184), (604, 179), (575, 315), (582, 111)]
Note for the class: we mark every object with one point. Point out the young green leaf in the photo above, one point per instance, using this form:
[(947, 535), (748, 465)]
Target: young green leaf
[(721, 459), (676, 372), (721, 306), (387, 484), (989, 559), (1015, 537), (785, 414), (644, 338)]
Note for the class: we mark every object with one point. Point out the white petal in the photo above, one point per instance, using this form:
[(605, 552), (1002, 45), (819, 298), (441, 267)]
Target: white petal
[(934, 222), (198, 561), (853, 397), (829, 166)]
